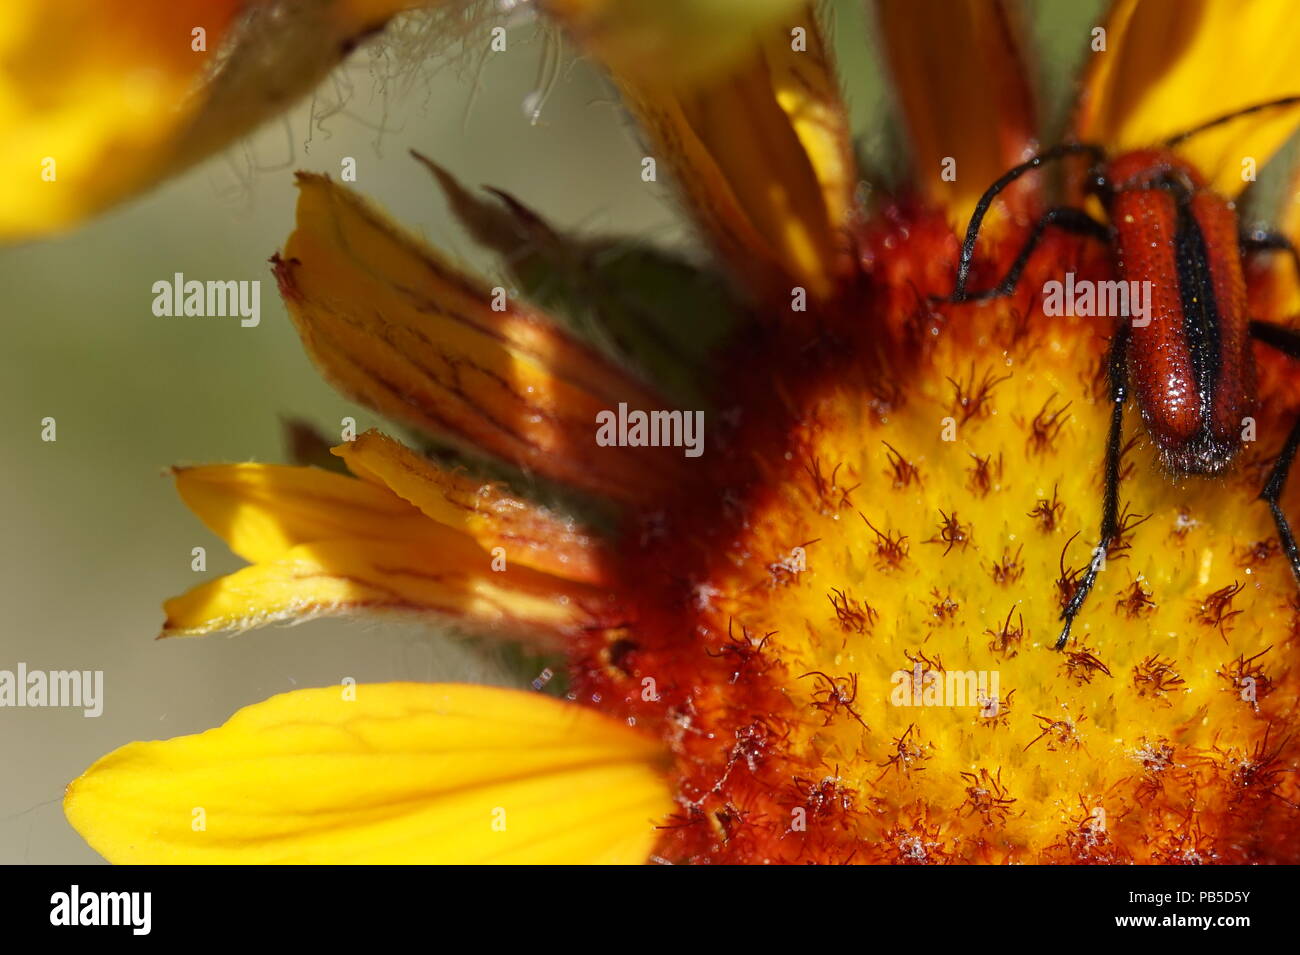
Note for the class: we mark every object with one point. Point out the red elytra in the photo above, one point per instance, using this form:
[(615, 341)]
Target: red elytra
[(1191, 364)]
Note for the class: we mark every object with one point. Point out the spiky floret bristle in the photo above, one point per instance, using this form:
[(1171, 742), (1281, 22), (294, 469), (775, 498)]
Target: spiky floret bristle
[(850, 645)]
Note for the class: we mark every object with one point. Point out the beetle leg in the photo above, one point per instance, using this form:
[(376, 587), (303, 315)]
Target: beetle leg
[(1287, 341), (1266, 240), (1110, 503), (1066, 218), (1272, 493)]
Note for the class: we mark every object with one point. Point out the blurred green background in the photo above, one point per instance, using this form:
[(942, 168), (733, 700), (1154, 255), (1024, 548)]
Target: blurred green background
[(96, 536)]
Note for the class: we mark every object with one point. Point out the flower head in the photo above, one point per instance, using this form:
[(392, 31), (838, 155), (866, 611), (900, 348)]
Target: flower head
[(828, 637)]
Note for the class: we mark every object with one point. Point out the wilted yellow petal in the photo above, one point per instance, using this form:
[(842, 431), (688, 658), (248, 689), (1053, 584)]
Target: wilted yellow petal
[(446, 574), (409, 537), (674, 39), (381, 773), (964, 99), (761, 151), (395, 326), (527, 533), (100, 100), (1170, 65)]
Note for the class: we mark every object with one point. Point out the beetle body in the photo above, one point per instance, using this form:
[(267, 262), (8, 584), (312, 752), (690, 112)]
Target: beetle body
[(1190, 363)]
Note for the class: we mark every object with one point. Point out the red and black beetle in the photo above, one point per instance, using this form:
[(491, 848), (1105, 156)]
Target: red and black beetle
[(1190, 367)]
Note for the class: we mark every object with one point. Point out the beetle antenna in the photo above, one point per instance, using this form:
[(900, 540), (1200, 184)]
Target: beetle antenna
[(1228, 117), (982, 207)]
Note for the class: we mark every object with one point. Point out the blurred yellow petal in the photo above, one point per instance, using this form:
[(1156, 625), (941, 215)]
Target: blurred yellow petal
[(1170, 65), (527, 533), (101, 100), (395, 326), (761, 151), (264, 510), (282, 52), (381, 773), (675, 39), (446, 574), (964, 99)]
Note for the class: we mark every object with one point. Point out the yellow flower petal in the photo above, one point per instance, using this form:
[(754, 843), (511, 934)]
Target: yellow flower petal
[(964, 99), (761, 151), (393, 325), (447, 574), (100, 100), (528, 533), (681, 39), (401, 773), (1173, 64), (264, 510)]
